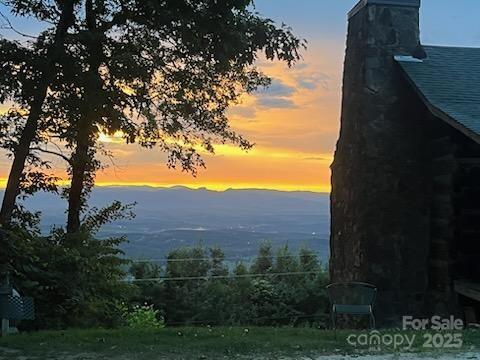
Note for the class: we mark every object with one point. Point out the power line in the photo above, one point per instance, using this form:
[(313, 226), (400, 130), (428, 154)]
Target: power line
[(186, 278), (314, 255)]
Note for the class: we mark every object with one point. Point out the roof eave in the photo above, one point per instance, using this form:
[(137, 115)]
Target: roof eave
[(438, 112)]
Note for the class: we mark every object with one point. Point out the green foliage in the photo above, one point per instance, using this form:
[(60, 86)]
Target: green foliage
[(96, 218), (144, 317), (78, 281), (162, 72), (281, 289), (264, 262), (75, 279)]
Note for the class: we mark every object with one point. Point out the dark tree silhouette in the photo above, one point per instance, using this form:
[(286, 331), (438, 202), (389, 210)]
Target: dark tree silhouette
[(26, 75), (162, 72)]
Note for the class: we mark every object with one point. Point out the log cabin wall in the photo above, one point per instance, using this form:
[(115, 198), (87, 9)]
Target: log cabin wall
[(405, 184), (444, 170), (466, 247), (455, 215)]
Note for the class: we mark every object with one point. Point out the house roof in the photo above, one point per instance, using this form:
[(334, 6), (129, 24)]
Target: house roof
[(448, 81)]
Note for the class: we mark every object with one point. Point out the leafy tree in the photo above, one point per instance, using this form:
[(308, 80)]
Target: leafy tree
[(287, 287), (176, 66), (242, 311), (162, 72), (217, 267), (145, 270), (308, 260), (286, 261), (189, 268), (242, 299), (264, 262), (151, 293), (215, 293), (27, 73), (265, 300), (311, 298), (75, 279)]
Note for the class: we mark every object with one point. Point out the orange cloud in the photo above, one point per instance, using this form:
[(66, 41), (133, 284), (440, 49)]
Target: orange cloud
[(294, 126)]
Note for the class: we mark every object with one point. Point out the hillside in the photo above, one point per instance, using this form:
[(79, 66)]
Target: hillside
[(236, 220)]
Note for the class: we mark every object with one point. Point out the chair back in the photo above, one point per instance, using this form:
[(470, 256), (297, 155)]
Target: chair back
[(351, 293)]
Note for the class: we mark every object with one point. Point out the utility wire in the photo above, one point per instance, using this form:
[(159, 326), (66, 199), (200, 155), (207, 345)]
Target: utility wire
[(185, 278), (223, 259)]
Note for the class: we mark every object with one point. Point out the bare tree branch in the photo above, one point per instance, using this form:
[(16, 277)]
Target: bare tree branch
[(66, 158), (11, 27)]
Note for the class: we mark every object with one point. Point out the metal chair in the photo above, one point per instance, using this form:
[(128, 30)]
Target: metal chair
[(352, 298)]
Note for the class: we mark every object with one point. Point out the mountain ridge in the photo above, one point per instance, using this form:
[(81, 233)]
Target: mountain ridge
[(237, 220)]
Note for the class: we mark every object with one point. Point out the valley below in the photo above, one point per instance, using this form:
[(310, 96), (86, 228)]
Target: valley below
[(237, 221)]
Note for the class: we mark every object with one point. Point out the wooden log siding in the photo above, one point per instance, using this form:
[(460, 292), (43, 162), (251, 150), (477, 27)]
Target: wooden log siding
[(444, 167), (468, 217)]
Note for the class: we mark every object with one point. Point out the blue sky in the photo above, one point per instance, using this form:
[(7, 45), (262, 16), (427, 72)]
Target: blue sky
[(443, 22)]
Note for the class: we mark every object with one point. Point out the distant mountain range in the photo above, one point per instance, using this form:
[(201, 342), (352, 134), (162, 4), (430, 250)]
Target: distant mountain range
[(236, 220)]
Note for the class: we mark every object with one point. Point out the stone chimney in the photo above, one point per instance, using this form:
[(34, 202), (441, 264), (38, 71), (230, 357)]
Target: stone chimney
[(379, 202)]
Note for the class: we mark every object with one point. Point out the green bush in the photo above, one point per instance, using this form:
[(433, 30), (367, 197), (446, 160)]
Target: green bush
[(236, 295), (75, 279), (144, 317), (79, 281)]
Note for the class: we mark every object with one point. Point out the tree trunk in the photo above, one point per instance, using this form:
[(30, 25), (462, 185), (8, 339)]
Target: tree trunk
[(81, 166), (22, 150), (21, 153), (83, 159)]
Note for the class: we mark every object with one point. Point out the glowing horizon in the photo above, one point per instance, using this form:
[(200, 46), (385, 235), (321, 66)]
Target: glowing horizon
[(209, 186), (294, 124)]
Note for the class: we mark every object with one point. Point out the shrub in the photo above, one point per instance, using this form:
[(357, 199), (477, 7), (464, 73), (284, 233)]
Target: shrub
[(76, 279), (144, 317), (206, 291)]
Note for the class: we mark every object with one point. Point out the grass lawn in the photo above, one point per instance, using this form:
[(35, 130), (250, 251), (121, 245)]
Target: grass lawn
[(194, 343)]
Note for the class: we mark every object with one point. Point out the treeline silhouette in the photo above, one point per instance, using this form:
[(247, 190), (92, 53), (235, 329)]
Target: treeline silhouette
[(197, 286)]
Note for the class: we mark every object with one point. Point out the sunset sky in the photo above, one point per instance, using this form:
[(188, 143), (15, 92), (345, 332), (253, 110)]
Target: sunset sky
[(295, 123)]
